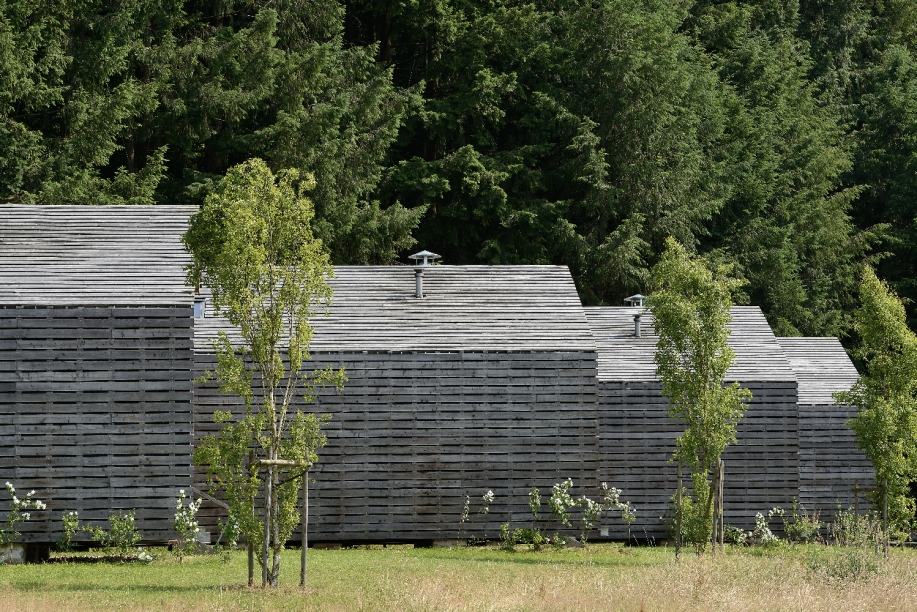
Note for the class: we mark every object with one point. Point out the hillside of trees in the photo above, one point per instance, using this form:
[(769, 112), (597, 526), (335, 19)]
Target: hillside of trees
[(780, 135)]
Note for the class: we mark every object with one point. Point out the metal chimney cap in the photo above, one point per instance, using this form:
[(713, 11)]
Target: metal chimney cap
[(424, 258), (635, 300)]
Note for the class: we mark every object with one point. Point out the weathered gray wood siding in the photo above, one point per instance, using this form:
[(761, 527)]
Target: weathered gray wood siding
[(830, 463), (487, 383), (637, 437), (414, 433), (95, 362), (95, 412)]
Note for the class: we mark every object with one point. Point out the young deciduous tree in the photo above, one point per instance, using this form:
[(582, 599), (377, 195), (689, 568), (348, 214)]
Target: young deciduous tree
[(252, 245), (886, 396), (690, 307)]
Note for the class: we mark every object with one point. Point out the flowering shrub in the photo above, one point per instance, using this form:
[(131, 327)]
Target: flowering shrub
[(761, 534), (612, 498), (17, 514), (534, 504), (592, 512), (561, 502), (611, 495), (71, 528), (144, 557), (123, 536), (801, 527), (486, 500), (735, 535), (185, 524)]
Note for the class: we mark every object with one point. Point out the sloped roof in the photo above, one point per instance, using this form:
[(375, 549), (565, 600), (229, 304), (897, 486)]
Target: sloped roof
[(471, 308), (93, 255), (822, 367), (623, 357)]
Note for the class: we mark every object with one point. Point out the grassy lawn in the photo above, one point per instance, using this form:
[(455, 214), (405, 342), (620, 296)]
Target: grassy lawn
[(602, 577)]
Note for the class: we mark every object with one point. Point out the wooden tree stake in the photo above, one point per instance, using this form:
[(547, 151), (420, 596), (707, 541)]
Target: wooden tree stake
[(305, 529), (678, 516)]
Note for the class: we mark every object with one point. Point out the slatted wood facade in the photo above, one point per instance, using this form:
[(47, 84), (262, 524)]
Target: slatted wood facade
[(830, 463), (497, 380), (95, 363), (492, 387), (637, 436)]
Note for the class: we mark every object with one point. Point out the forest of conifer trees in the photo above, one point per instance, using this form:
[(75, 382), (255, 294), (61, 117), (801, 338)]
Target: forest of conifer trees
[(779, 135)]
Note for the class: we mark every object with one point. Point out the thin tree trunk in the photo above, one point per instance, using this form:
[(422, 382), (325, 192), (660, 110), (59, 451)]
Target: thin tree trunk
[(305, 529), (678, 516), (856, 507), (722, 516), (251, 544), (277, 544), (708, 504), (265, 550), (714, 487), (885, 514)]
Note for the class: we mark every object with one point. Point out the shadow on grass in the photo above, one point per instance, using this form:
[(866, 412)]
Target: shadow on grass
[(533, 558), (38, 586)]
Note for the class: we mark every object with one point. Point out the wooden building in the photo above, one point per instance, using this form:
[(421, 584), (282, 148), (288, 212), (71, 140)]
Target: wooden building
[(486, 383), (637, 437), (497, 379), (830, 464), (95, 362)]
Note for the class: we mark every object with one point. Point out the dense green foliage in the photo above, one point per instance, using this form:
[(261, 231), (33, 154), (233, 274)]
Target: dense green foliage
[(690, 304), (252, 244), (148, 102), (886, 397), (777, 135)]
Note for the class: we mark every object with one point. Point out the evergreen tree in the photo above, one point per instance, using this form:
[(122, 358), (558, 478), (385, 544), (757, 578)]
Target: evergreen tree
[(886, 397), (137, 103), (785, 222), (777, 135)]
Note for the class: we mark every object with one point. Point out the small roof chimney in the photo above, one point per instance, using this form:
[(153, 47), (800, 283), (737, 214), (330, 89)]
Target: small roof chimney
[(422, 260), (427, 257), (637, 301)]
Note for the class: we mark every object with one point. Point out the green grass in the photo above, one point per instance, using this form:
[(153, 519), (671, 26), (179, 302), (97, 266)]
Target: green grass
[(602, 577)]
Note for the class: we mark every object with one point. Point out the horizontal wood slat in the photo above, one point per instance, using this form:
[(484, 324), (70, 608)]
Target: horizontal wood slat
[(399, 465), (498, 379), (91, 427), (637, 438)]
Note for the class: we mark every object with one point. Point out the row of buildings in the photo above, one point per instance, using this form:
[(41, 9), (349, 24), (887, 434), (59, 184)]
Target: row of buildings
[(497, 379)]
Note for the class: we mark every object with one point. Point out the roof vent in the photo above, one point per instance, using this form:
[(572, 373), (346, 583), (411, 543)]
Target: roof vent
[(427, 257), (636, 300), (422, 260)]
